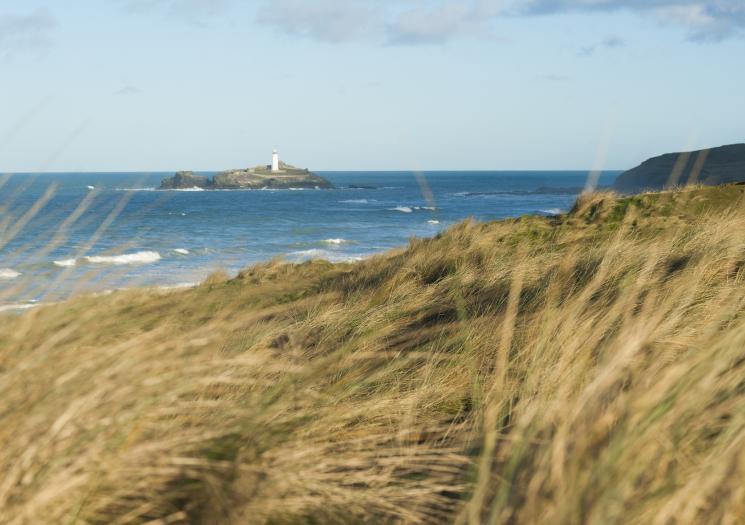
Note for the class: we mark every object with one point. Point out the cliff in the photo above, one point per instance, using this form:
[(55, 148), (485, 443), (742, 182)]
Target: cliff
[(709, 167), (257, 178)]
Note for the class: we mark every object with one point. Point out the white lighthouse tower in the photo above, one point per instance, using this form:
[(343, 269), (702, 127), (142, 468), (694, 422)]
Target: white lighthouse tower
[(275, 160)]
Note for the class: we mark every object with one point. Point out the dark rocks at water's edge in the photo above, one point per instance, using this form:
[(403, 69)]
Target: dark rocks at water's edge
[(260, 177), (710, 167), (185, 180)]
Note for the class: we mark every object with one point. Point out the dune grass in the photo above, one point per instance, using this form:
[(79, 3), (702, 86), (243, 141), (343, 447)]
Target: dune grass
[(587, 368)]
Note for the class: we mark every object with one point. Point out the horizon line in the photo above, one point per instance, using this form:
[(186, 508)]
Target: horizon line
[(439, 170)]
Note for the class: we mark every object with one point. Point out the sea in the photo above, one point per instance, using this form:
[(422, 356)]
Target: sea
[(63, 234)]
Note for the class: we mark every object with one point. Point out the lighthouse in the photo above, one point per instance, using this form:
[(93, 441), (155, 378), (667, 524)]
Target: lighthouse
[(275, 160)]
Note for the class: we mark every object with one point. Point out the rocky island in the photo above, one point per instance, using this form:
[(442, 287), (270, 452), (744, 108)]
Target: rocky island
[(278, 175), (709, 167)]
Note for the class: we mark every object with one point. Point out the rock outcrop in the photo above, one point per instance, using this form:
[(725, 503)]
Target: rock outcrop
[(185, 180), (257, 178), (709, 167)]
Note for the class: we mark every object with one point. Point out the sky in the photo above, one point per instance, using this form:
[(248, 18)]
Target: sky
[(162, 85)]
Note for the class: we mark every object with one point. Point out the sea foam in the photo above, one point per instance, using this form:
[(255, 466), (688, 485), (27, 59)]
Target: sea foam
[(19, 306), (411, 209), (315, 253), (143, 257), (177, 286), (66, 263), (182, 251), (8, 273), (336, 241)]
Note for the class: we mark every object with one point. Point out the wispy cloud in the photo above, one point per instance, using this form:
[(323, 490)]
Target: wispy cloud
[(436, 24), (128, 90), (610, 42), (401, 22), (26, 33), (324, 20), (438, 21), (193, 11), (705, 20)]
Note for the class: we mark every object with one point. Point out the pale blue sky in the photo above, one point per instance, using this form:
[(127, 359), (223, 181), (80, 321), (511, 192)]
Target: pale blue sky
[(350, 84)]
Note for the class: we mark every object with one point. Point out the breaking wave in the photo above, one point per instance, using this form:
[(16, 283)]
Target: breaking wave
[(315, 253), (177, 286), (144, 257), (336, 241), (411, 209), (357, 201), (66, 263), (8, 273), (18, 306)]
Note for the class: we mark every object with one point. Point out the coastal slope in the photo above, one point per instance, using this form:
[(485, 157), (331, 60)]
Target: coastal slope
[(710, 167), (583, 368), (259, 177)]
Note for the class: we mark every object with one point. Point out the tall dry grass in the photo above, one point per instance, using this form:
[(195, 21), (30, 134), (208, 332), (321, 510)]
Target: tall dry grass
[(582, 369)]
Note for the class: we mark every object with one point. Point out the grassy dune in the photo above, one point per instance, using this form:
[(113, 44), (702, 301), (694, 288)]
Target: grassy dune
[(582, 369)]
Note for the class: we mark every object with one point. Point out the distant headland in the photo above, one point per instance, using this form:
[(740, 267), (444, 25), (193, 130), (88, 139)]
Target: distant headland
[(709, 167), (277, 175)]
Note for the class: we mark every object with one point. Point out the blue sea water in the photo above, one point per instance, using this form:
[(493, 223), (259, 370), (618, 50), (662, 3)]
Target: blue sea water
[(66, 233)]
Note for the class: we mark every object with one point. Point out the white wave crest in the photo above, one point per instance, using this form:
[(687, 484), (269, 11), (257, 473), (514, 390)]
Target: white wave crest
[(8, 273), (182, 251), (18, 306), (336, 241), (411, 209), (552, 211), (143, 257), (357, 201), (307, 255), (433, 221), (178, 286)]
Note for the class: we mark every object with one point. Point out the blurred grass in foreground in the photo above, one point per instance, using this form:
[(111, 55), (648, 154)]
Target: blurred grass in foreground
[(585, 368)]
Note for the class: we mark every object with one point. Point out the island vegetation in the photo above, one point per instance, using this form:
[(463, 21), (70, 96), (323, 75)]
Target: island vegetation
[(584, 368)]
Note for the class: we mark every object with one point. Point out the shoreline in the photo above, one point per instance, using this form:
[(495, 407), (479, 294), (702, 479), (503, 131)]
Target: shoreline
[(32, 304), (295, 258)]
